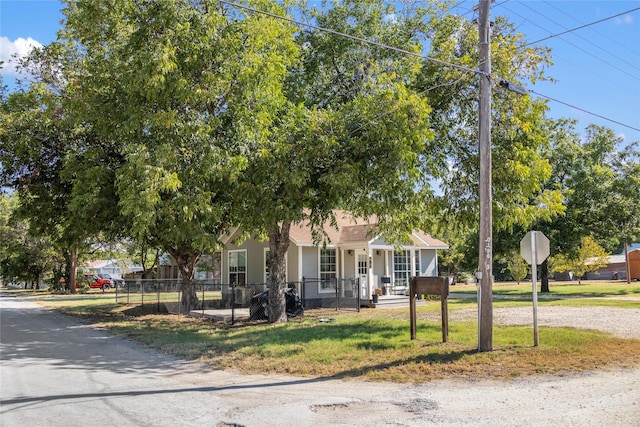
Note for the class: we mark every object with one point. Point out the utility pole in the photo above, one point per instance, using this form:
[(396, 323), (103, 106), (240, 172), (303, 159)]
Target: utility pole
[(485, 259)]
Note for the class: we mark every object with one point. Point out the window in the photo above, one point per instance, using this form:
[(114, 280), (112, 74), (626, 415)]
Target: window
[(208, 268), (237, 267), (362, 265), (327, 270), (417, 263), (401, 268)]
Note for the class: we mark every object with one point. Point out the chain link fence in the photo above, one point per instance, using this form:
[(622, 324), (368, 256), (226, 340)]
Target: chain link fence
[(165, 295), (341, 294)]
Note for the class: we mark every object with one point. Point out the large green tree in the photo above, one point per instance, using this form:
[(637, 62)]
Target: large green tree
[(187, 90), (23, 257), (520, 169), (353, 136), (44, 156), (598, 176)]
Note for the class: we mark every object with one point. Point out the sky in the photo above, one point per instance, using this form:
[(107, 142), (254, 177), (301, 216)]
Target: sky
[(596, 68)]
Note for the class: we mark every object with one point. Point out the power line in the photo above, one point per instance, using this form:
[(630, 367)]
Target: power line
[(582, 26), (597, 58), (593, 29), (349, 36), (582, 109), (428, 58), (606, 51)]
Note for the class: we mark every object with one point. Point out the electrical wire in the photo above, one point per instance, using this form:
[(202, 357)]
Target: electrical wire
[(606, 51), (595, 30), (582, 26), (597, 58), (425, 57), (349, 36), (582, 109)]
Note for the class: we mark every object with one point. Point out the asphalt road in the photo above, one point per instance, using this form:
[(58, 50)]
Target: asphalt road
[(57, 371)]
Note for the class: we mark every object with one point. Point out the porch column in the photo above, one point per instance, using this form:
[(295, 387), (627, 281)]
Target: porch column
[(412, 264), (370, 271), (386, 263), (300, 275)]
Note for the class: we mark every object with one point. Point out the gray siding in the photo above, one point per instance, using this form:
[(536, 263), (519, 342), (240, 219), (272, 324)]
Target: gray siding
[(428, 262), (310, 262), (255, 260)]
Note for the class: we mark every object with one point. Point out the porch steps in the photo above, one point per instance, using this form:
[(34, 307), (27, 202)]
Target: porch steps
[(394, 301)]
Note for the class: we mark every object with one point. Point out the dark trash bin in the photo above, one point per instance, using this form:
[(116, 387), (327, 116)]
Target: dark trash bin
[(259, 309)]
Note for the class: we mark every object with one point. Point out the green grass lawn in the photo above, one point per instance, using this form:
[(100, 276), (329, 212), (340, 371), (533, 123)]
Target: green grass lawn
[(375, 344)]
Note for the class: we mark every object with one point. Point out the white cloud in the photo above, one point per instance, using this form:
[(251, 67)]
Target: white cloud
[(10, 50), (624, 20)]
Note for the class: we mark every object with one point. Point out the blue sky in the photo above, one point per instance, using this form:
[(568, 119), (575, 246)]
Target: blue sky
[(597, 68)]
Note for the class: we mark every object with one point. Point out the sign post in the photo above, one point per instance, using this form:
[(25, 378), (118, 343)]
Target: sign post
[(534, 248), (429, 286)]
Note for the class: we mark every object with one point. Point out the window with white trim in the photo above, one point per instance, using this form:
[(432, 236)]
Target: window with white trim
[(328, 269), (267, 255), (238, 267), (401, 268), (363, 269), (417, 263)]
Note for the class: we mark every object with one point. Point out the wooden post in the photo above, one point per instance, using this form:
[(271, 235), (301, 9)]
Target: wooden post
[(412, 307), (444, 302), (485, 273)]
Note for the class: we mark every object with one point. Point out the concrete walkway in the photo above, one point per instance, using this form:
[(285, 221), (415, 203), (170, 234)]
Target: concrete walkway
[(225, 315)]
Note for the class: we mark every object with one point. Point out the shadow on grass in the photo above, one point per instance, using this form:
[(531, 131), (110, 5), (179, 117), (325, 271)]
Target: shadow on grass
[(334, 341)]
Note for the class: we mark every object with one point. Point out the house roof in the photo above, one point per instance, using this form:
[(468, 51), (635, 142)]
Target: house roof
[(350, 231), (99, 263), (618, 258)]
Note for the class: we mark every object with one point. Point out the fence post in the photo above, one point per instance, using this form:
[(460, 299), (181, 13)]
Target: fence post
[(202, 299), (142, 294), (233, 302), (357, 290), (337, 296)]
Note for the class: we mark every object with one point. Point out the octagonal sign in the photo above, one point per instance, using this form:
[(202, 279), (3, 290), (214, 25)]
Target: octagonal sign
[(535, 243)]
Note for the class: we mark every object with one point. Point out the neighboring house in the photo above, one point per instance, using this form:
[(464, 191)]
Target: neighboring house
[(616, 268), (353, 250), (114, 267), (207, 268)]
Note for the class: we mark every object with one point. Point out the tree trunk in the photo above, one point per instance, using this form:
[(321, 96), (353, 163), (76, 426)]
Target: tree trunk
[(544, 276), (186, 265), (73, 270), (626, 261), (278, 245)]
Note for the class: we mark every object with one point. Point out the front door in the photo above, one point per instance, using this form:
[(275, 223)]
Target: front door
[(363, 274)]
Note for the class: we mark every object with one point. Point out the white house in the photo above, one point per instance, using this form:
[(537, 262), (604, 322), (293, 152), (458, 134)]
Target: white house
[(112, 267), (352, 250), (115, 268)]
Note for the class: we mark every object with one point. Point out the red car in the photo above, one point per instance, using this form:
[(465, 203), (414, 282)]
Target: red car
[(94, 282)]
